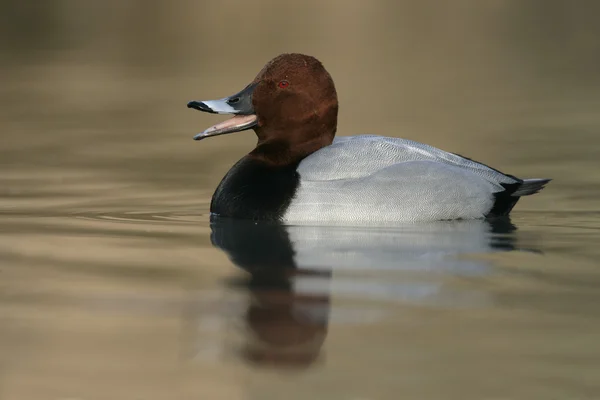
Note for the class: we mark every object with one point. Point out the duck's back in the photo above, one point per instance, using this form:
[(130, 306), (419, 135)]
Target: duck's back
[(375, 179), (359, 156)]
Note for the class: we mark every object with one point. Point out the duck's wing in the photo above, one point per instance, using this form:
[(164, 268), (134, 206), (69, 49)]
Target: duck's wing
[(359, 156), (375, 179), (402, 192)]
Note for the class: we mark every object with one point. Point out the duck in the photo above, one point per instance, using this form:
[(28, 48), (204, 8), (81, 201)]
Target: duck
[(301, 173)]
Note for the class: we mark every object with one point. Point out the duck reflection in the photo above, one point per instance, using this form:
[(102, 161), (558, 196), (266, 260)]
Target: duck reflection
[(290, 274), (288, 308), (287, 326)]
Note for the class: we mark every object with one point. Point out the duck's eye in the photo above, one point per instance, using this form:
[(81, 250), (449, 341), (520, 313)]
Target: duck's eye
[(283, 84)]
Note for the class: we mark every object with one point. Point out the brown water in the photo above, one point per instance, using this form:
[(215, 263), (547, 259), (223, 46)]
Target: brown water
[(111, 287)]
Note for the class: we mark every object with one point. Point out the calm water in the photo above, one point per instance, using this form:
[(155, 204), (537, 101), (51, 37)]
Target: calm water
[(115, 284)]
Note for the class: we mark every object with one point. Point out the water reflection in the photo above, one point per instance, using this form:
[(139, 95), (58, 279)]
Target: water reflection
[(286, 321), (290, 276), (286, 326)]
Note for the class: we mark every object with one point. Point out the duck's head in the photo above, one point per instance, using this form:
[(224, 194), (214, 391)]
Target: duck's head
[(291, 105)]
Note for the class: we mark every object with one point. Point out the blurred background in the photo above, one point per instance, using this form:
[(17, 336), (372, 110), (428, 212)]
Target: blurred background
[(104, 238), (98, 89)]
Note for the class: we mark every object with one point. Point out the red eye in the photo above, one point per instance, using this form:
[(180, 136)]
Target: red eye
[(283, 84)]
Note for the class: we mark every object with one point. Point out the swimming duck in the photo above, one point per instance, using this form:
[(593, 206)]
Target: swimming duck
[(300, 173)]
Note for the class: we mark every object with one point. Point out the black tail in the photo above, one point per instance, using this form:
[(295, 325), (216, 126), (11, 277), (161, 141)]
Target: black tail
[(506, 200), (530, 186)]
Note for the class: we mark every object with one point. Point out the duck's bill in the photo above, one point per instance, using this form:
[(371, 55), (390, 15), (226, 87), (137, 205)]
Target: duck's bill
[(236, 124), (239, 104)]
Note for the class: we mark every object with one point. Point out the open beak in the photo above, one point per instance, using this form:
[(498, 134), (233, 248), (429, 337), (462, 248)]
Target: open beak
[(239, 104)]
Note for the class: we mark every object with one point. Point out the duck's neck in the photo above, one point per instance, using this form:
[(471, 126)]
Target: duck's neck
[(282, 153), (292, 146)]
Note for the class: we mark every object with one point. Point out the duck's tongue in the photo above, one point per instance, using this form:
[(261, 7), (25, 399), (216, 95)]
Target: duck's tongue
[(239, 104), (235, 124)]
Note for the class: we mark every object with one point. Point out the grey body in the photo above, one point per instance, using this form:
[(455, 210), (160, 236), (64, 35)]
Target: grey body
[(375, 179)]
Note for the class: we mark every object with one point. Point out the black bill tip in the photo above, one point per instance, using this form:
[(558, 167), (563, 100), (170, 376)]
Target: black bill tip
[(200, 106)]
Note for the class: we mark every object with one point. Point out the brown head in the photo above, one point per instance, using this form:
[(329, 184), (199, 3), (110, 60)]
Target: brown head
[(291, 105)]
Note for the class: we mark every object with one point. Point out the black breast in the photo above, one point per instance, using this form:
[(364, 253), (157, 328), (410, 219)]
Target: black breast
[(255, 190)]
